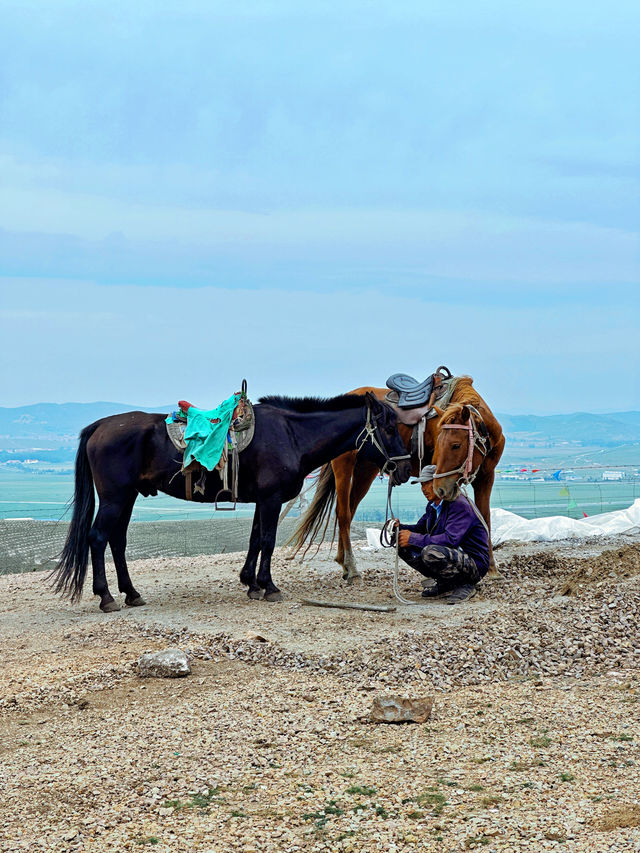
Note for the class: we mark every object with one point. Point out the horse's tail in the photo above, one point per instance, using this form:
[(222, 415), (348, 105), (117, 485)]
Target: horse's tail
[(316, 518), (68, 576)]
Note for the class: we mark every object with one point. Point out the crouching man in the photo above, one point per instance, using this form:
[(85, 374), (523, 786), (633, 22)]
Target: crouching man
[(449, 544)]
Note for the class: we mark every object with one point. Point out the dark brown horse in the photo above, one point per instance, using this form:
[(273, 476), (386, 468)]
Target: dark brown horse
[(131, 454), (347, 479)]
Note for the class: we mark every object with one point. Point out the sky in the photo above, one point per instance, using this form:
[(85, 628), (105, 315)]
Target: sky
[(315, 196)]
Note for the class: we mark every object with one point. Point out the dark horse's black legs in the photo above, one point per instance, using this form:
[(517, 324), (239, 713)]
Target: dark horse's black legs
[(105, 522), (269, 512), (262, 542), (248, 573), (110, 526), (118, 544)]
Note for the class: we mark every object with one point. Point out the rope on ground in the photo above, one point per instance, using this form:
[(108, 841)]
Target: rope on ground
[(377, 608)]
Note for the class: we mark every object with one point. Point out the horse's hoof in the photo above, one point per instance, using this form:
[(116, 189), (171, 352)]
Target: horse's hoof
[(110, 607), (135, 602), (256, 594), (274, 596), (352, 578), (494, 574)]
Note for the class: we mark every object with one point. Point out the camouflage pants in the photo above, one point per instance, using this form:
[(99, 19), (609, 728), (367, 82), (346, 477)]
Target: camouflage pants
[(450, 566)]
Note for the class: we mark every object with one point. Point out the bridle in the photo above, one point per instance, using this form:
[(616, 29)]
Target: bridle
[(476, 441), (371, 432)]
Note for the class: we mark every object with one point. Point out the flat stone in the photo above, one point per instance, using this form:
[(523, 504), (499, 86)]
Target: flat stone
[(168, 663), (388, 708)]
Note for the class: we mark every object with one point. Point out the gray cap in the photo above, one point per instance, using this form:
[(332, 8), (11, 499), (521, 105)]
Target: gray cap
[(426, 475)]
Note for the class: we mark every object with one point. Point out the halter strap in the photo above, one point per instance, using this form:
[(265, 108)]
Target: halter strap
[(475, 440)]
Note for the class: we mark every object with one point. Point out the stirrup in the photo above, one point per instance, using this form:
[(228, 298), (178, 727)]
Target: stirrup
[(224, 499)]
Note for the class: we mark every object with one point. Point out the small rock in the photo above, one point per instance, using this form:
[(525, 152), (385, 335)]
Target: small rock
[(401, 709), (258, 638), (169, 663)]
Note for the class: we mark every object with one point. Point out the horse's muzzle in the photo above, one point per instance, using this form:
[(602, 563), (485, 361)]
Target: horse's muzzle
[(447, 489), (401, 472)]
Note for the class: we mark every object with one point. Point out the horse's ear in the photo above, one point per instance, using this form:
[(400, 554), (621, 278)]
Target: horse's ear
[(465, 414), (439, 412), (372, 400)]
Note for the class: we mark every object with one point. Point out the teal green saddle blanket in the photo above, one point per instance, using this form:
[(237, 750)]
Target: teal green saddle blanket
[(206, 440)]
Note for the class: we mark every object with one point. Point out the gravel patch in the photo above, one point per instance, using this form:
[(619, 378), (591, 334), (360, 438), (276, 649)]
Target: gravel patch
[(268, 744)]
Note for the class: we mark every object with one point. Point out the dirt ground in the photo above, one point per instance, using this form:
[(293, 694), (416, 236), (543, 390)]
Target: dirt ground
[(268, 746)]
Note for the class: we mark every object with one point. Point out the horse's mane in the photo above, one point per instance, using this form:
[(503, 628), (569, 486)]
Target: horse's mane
[(315, 404)]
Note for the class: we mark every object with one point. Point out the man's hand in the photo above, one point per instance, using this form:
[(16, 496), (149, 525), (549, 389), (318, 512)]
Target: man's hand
[(403, 538)]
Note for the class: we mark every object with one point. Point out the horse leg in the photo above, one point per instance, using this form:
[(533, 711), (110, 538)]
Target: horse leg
[(364, 474), (482, 495), (269, 512), (343, 468), (248, 573), (101, 529), (118, 544)]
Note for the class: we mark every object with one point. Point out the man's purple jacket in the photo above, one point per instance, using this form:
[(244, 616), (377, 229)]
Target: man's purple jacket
[(457, 527)]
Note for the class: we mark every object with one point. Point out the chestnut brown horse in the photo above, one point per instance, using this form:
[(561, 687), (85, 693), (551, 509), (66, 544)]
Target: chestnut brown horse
[(347, 479)]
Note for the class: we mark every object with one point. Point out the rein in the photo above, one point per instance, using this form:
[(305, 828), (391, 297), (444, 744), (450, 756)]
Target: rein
[(388, 536), (389, 539)]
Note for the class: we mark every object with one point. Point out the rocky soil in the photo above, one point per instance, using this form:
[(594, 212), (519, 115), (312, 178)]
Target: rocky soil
[(533, 743)]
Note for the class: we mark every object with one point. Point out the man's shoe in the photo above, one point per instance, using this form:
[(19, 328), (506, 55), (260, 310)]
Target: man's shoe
[(459, 594), (436, 590)]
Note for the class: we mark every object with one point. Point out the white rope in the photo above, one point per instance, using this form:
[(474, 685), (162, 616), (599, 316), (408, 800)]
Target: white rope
[(396, 591), (385, 540)]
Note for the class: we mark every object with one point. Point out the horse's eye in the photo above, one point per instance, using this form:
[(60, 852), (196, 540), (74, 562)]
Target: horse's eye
[(456, 446)]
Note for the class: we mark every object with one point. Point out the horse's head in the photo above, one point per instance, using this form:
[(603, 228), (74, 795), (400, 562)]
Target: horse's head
[(461, 445), (386, 447)]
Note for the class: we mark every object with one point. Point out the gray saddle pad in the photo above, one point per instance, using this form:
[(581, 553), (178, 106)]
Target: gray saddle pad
[(175, 432), (244, 426)]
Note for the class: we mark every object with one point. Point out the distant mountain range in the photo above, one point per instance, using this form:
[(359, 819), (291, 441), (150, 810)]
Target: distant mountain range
[(55, 426), (62, 420), (581, 427)]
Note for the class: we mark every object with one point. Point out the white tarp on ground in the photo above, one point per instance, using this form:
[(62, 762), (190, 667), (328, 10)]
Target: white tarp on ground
[(509, 527), (506, 526)]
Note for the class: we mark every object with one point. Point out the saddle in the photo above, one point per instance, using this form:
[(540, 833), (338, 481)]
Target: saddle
[(407, 393), (239, 437), (414, 401), (410, 392)]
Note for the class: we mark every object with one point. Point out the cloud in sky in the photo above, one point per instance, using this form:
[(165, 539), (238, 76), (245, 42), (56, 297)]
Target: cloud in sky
[(399, 167), (81, 341)]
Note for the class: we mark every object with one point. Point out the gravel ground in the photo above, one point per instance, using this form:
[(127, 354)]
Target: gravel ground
[(267, 745)]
